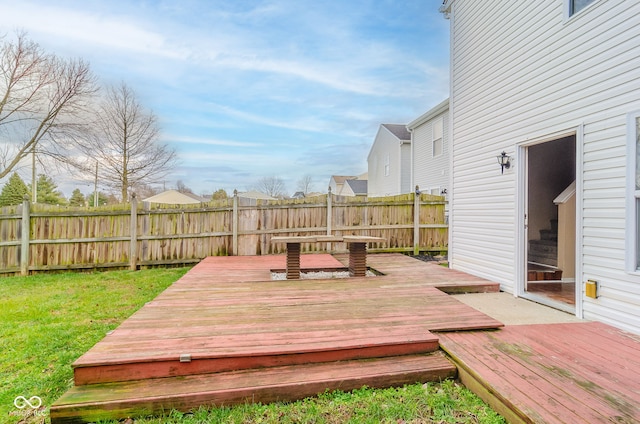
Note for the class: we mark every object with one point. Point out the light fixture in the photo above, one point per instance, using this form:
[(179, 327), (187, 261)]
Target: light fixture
[(505, 161)]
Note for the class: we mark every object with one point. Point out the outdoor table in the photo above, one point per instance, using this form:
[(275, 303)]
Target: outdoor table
[(357, 246)]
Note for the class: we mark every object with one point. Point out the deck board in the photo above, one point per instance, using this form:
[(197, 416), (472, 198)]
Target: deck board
[(553, 373)]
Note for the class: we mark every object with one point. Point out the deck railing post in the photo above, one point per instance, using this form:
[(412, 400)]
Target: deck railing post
[(234, 225), (133, 247), (416, 221), (25, 234)]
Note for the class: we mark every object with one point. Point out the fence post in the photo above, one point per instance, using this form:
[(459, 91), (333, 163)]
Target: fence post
[(329, 212), (416, 221), (133, 247), (146, 223), (25, 233), (234, 229)]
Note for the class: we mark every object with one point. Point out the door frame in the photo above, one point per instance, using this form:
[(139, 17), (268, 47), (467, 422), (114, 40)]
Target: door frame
[(521, 219)]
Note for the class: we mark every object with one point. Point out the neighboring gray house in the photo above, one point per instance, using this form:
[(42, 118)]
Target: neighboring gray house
[(355, 188), (389, 161), (339, 186), (555, 85), (430, 161)]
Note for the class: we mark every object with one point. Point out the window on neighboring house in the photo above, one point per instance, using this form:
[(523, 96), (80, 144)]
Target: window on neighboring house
[(437, 137), (577, 5), (633, 192), (387, 166)]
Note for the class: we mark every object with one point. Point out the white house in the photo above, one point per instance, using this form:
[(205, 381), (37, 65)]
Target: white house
[(430, 150), (389, 161), (555, 84)]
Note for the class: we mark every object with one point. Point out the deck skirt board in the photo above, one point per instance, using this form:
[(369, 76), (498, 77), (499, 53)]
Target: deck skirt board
[(120, 400), (552, 373)]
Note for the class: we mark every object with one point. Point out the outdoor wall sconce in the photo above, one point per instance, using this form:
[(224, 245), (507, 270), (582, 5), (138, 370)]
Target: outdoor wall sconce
[(505, 161)]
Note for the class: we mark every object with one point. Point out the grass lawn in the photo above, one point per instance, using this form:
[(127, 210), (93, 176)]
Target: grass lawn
[(48, 321)]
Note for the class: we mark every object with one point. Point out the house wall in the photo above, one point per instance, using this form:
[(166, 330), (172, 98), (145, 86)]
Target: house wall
[(405, 168), (523, 71), (429, 172), (386, 145)]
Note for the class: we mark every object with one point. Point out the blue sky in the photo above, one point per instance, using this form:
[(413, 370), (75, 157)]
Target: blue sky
[(252, 89)]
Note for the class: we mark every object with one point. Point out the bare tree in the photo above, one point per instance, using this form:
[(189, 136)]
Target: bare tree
[(43, 100), (273, 186), (304, 184), (125, 143), (182, 187)]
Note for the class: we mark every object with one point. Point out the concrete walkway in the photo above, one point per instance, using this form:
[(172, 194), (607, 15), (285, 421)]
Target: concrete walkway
[(512, 310)]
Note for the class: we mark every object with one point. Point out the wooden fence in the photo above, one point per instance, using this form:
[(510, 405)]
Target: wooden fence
[(37, 238)]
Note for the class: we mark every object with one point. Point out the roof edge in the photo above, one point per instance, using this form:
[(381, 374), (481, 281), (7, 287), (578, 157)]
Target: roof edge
[(431, 113)]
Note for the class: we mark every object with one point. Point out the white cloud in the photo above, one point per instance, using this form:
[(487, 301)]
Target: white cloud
[(117, 32), (169, 138)]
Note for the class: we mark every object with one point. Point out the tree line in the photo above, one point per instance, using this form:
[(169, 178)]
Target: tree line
[(15, 190), (53, 110)]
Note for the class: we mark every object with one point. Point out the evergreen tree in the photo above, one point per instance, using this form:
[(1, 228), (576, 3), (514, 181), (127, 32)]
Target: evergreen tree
[(13, 191), (102, 199), (48, 191), (219, 194), (77, 198)]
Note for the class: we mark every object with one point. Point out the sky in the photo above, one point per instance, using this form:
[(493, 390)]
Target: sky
[(248, 89)]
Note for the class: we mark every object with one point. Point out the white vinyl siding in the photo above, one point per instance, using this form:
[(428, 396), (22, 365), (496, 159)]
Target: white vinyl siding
[(405, 168), (521, 72), (429, 172)]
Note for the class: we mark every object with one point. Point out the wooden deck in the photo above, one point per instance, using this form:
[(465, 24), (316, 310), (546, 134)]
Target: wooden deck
[(225, 333), (552, 373)]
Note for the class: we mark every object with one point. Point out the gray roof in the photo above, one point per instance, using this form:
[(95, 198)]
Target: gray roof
[(358, 186), (399, 130)]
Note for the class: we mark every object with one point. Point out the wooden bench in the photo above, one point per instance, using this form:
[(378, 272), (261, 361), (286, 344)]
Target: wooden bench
[(357, 246)]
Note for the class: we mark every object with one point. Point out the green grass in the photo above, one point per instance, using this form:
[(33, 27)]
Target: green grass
[(446, 402), (48, 321)]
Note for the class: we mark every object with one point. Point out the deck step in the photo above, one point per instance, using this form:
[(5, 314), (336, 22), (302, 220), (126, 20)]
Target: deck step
[(91, 403), (322, 346)]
